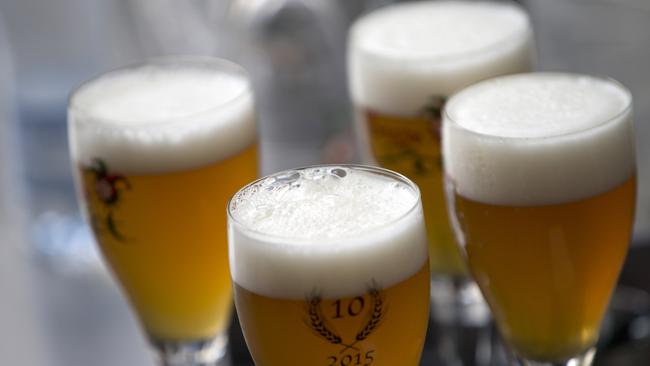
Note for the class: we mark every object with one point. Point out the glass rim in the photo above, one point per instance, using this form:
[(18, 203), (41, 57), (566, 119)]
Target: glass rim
[(526, 35), (627, 109), (215, 63), (288, 240)]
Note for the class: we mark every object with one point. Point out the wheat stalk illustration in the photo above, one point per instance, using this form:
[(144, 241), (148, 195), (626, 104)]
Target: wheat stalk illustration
[(374, 318), (319, 325), (407, 148)]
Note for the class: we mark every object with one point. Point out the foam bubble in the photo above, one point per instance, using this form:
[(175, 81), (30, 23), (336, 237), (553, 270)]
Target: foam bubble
[(539, 138), (330, 228), (402, 55), (163, 116)]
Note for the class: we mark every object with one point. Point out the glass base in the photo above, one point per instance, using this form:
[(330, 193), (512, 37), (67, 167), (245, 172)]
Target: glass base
[(461, 328), (585, 359), (209, 352), (458, 301)]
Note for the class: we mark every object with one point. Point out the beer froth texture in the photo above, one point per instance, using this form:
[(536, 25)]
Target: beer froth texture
[(535, 139), (163, 116), (403, 55), (333, 230)]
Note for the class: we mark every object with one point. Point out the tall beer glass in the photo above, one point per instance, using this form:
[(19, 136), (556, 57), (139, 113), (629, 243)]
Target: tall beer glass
[(541, 185), (405, 60), (158, 150), (329, 265)]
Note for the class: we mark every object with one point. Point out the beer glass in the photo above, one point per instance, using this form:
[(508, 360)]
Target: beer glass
[(404, 61), (541, 183), (329, 267), (158, 149)]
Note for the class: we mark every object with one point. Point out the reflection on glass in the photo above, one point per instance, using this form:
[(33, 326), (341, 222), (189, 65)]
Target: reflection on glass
[(329, 265), (541, 186), (158, 150)]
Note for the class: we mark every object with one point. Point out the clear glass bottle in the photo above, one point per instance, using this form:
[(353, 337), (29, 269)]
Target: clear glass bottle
[(295, 52)]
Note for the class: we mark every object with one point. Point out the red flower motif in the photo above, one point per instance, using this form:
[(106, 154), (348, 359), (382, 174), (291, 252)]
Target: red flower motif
[(105, 190), (108, 188)]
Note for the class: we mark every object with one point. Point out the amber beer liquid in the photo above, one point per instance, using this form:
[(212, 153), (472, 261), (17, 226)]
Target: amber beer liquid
[(330, 267), (282, 341), (159, 149), (542, 191), (405, 61), (168, 257)]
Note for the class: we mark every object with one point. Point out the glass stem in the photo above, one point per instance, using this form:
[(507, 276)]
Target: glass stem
[(209, 352), (585, 359), (461, 327)]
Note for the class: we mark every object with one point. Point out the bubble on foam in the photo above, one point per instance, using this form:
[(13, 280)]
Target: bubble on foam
[(163, 116), (331, 228), (439, 30), (402, 55), (540, 138), (155, 95), (316, 204), (552, 105)]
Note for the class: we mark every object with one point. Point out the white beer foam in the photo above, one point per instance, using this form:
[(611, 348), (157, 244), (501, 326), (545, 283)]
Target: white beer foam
[(403, 55), (538, 139), (330, 230), (163, 116)]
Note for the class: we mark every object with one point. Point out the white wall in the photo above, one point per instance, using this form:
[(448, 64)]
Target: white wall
[(20, 338)]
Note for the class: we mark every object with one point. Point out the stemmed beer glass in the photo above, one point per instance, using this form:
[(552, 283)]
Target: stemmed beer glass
[(330, 267), (541, 181), (158, 149), (404, 62)]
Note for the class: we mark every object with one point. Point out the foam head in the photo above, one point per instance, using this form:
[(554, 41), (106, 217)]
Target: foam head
[(539, 138), (163, 116), (402, 55), (331, 229)]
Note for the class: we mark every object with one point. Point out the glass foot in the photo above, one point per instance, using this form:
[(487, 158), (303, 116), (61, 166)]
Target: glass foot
[(209, 352), (461, 328), (585, 359), (458, 301)]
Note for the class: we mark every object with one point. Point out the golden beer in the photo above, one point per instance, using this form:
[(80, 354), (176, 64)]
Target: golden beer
[(558, 262), (543, 197), (159, 148), (405, 60), (411, 146), (367, 329), (164, 245), (330, 267)]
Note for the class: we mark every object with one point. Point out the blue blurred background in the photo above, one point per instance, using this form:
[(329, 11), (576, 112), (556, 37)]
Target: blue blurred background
[(58, 305)]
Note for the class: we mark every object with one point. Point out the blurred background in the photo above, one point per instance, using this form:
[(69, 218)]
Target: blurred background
[(58, 304)]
